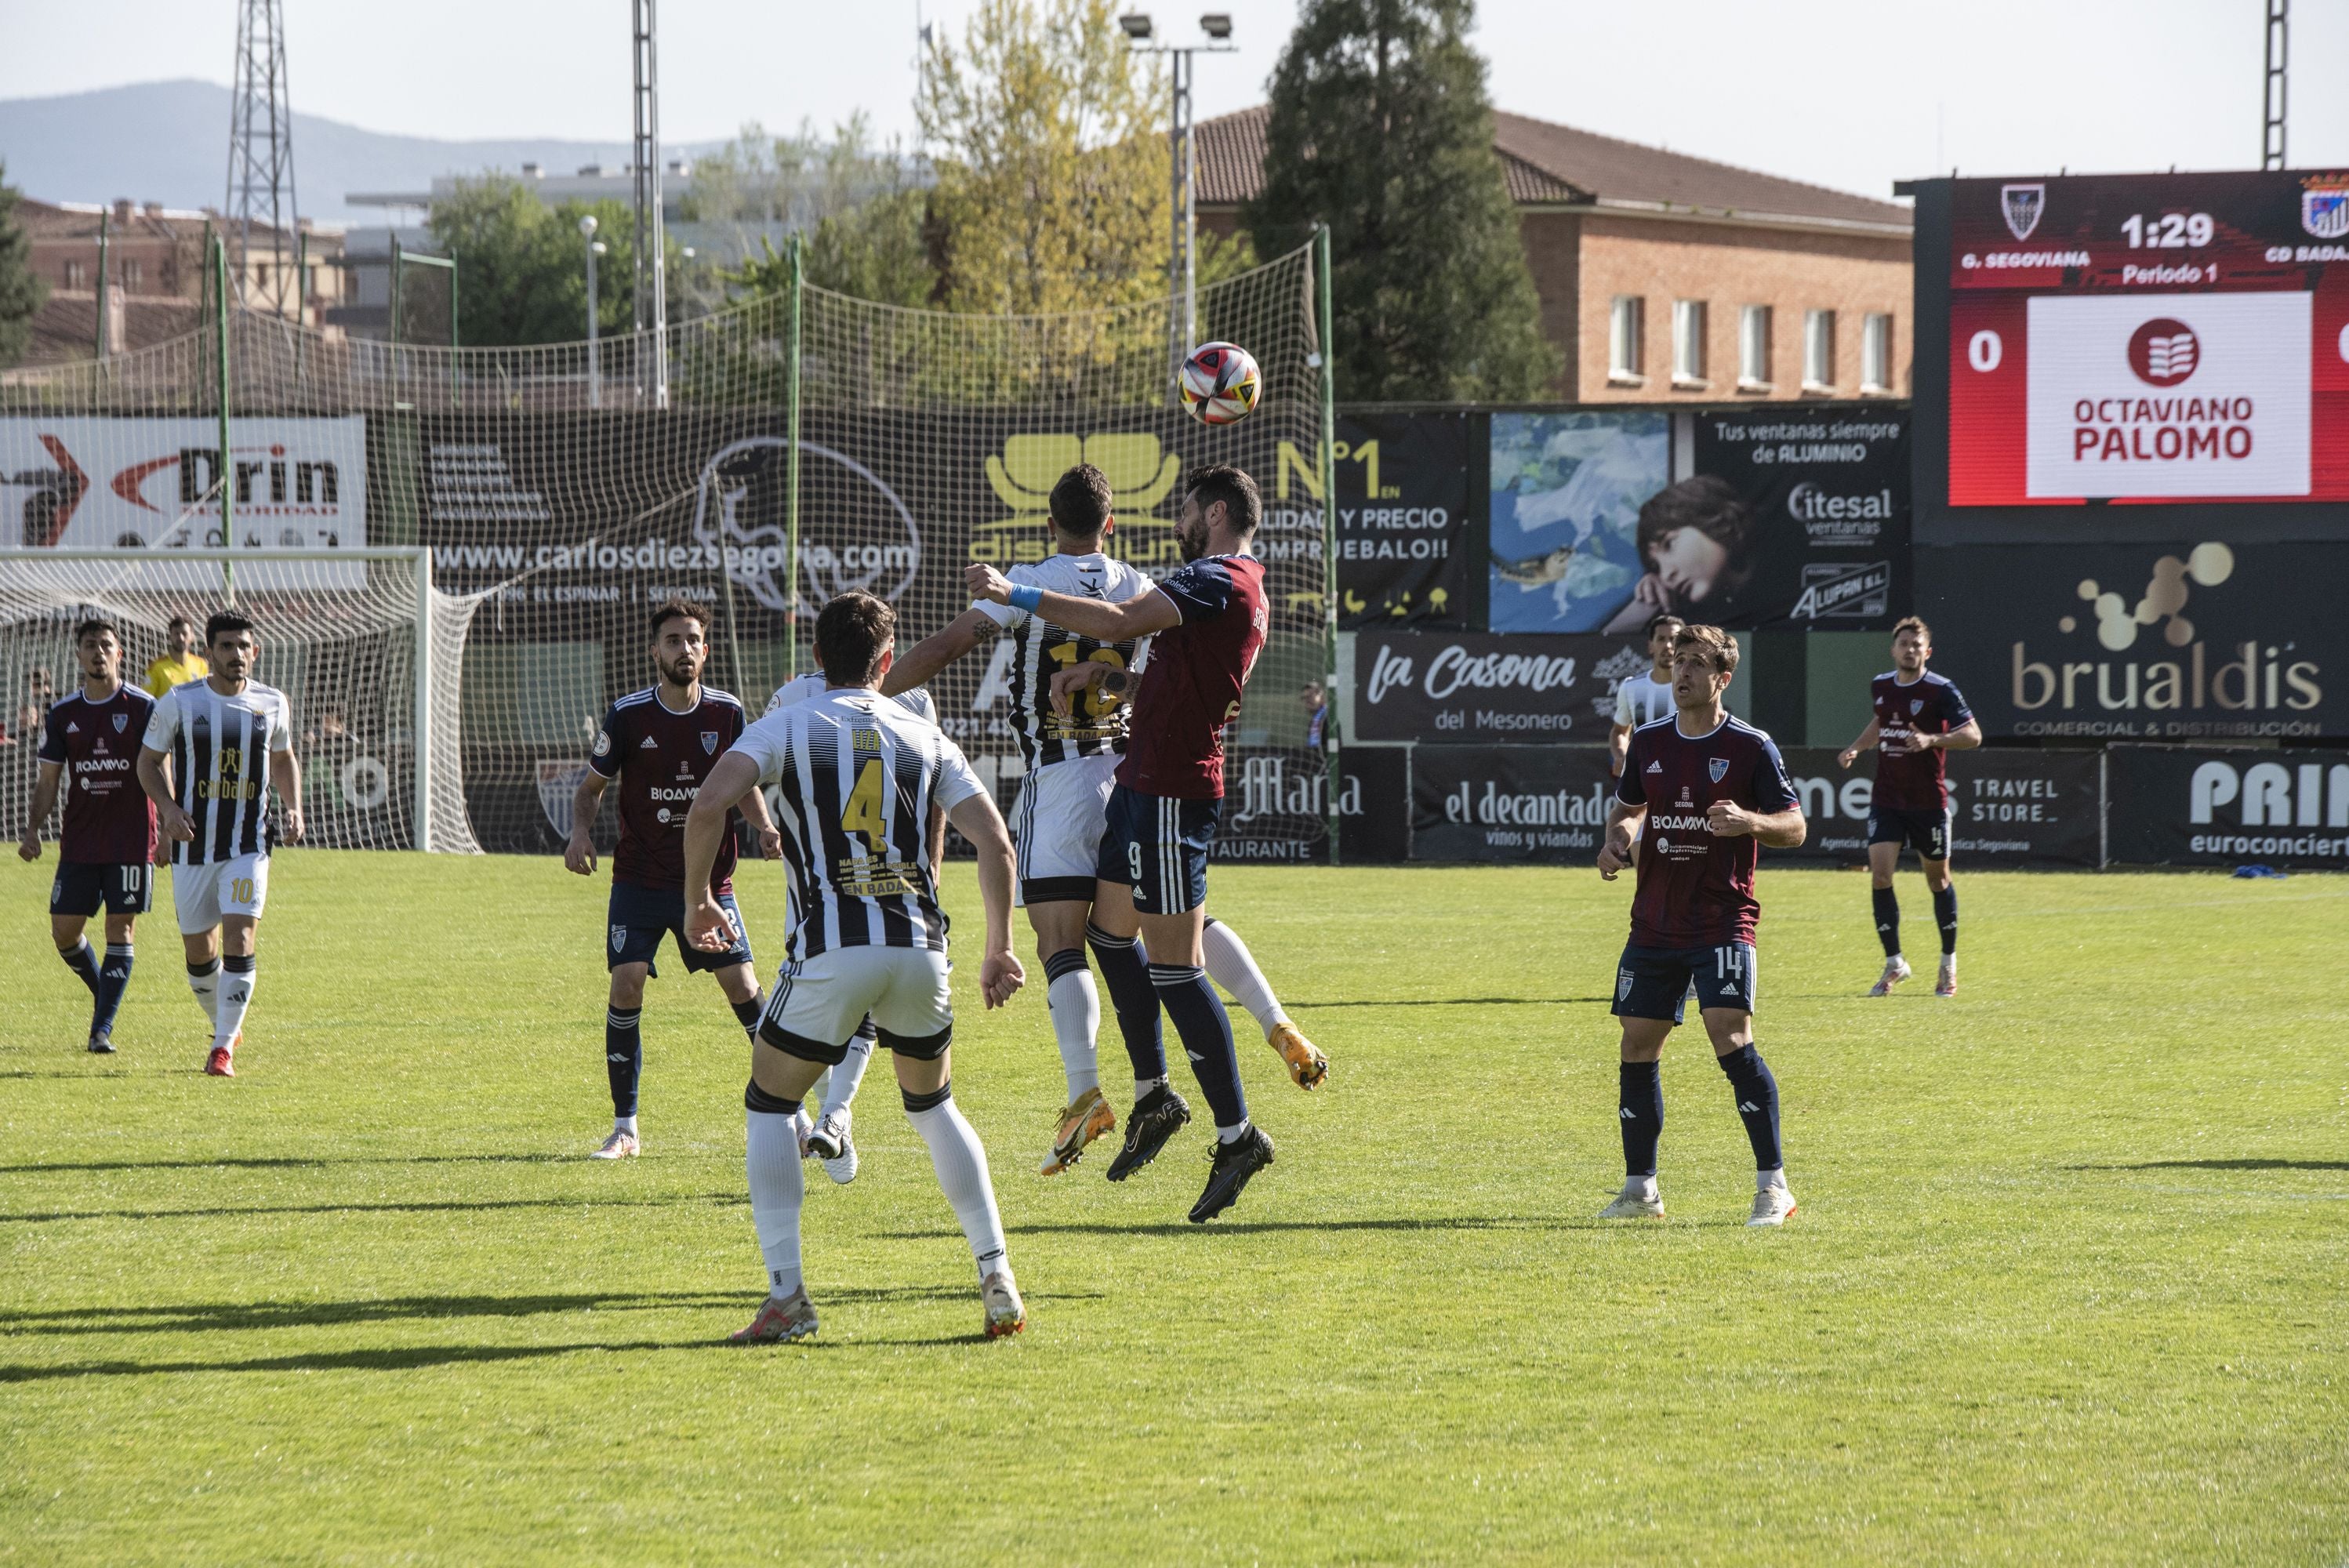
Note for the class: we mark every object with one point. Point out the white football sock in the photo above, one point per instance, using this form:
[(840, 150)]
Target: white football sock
[(961, 1165), (840, 1082), (1144, 1087), (1076, 1021), (1231, 965), (1231, 1134), (235, 996), (1764, 1179), (1641, 1187), (627, 1124), (206, 985), (772, 1155)]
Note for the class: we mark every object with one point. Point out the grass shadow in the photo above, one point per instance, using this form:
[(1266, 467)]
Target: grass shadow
[(2248, 1164), (1459, 1001), (281, 1162), (1261, 1227), (579, 1201)]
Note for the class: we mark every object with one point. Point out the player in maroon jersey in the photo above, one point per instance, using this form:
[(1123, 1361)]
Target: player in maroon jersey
[(1208, 623), (1701, 793), (660, 743), (1919, 717), (106, 851)]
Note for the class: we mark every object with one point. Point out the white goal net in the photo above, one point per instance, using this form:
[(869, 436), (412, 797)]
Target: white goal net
[(559, 492)]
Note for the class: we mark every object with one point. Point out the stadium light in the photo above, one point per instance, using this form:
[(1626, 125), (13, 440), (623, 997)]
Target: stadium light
[(1217, 24), (1137, 24), (1183, 269), (595, 364)]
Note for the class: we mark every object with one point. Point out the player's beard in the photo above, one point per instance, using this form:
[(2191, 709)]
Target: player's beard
[(683, 673), (1193, 548)]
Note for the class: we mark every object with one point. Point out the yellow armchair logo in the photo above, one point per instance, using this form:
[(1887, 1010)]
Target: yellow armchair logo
[(1139, 469)]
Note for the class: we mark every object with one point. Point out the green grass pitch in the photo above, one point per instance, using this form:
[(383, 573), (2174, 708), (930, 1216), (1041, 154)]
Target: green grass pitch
[(2066, 1286)]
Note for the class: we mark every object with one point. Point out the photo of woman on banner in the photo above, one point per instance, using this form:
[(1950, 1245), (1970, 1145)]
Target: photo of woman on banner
[(1699, 541)]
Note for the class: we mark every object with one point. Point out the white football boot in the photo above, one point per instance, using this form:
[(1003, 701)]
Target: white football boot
[(1947, 985), (1896, 970), (1639, 1199), (831, 1143), (1772, 1205)]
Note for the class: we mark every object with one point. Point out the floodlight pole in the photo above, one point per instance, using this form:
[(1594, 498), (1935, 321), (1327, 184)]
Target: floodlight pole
[(1182, 265), (651, 258), (791, 460), (1334, 776), (594, 362), (2279, 54), (105, 224), (226, 478)]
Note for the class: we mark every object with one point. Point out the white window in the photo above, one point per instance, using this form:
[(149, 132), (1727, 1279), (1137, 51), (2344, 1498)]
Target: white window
[(1876, 355), (1818, 350), (1623, 346), (1688, 343), (1753, 348), (77, 275), (131, 277)]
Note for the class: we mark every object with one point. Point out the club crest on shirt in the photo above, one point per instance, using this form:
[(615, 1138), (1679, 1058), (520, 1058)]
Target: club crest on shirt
[(121, 722), (1916, 704), (603, 746), (710, 743), (1718, 767)]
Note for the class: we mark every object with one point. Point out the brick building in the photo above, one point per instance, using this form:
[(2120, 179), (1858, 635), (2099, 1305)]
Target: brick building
[(155, 272), (1665, 278)]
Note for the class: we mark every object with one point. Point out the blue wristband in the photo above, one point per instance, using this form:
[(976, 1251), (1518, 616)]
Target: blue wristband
[(1026, 596)]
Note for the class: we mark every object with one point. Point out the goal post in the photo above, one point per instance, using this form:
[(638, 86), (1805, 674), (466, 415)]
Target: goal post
[(368, 652)]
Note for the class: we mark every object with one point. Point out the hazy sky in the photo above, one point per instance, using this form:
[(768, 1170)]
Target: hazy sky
[(1850, 93)]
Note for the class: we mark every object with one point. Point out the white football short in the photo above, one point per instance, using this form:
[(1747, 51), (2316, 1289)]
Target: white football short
[(818, 1001), (1057, 830), (202, 894)]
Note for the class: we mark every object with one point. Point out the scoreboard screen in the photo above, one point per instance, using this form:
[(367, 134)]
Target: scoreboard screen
[(2148, 338)]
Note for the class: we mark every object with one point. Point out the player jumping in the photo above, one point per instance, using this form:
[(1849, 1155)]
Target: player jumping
[(828, 1135), (1646, 696), (1150, 878), (106, 851), (213, 750), (1712, 789), (1919, 717), (855, 776), (1072, 761), (661, 744)]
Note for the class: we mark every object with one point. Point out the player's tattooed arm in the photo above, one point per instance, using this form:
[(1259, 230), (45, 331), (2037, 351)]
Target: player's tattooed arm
[(1867, 742), (155, 777), (1147, 612), (286, 773), (45, 795), (1619, 851), (933, 653), (579, 852)]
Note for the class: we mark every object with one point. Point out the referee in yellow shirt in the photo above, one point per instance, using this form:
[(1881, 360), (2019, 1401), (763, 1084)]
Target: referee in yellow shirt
[(182, 664)]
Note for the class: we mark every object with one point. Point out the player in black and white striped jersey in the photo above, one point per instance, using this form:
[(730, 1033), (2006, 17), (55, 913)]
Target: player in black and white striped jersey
[(855, 776), (829, 1135), (223, 740), (1063, 803)]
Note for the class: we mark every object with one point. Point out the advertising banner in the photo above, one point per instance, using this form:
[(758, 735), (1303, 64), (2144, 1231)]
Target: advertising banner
[(1823, 538), (1274, 804), (2009, 808), (1403, 498), (2188, 806), (1563, 519), (1474, 686), (2169, 337), (152, 484), (1546, 804), (2192, 640)]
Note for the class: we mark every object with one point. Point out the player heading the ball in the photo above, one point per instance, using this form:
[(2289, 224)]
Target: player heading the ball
[(854, 777), (1710, 791), (213, 748), (1208, 622)]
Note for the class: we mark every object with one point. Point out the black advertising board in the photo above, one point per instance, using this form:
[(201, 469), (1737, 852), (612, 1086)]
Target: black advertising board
[(1467, 687), (1405, 498), (1545, 804), (1826, 498), (2132, 357), (2180, 642), (2191, 806), (1274, 805), (2020, 806)]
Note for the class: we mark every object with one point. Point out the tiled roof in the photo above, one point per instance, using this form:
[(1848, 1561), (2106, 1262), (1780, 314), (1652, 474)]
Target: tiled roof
[(1546, 163)]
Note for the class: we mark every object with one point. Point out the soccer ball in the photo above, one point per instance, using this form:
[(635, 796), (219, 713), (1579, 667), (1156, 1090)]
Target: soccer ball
[(1220, 383)]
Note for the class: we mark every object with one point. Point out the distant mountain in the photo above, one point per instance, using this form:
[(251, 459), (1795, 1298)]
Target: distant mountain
[(168, 143)]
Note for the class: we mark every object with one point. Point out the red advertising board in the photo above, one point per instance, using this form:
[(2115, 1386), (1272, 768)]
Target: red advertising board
[(2149, 338)]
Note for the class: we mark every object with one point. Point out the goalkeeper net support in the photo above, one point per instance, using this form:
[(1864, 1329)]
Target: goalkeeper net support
[(451, 554)]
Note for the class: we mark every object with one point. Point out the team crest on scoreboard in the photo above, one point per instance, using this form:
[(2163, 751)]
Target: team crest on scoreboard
[(1718, 767), (710, 743), (2325, 210), (2021, 206)]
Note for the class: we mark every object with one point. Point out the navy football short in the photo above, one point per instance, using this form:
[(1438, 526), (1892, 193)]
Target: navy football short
[(1926, 831), (80, 886), (1653, 982), (1158, 846), (640, 916)]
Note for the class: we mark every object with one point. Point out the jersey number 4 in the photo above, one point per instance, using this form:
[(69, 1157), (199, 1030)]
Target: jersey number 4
[(864, 813)]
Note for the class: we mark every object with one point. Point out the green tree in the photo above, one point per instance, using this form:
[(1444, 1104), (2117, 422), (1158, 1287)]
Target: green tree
[(522, 265), (1381, 127), (1048, 134), (22, 289)]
